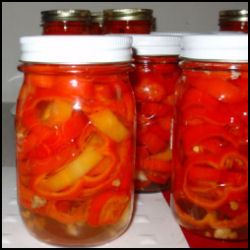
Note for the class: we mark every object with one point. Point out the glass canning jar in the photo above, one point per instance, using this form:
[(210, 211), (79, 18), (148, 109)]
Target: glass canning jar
[(133, 21), (75, 125), (210, 146), (65, 22), (96, 26), (233, 20), (154, 78)]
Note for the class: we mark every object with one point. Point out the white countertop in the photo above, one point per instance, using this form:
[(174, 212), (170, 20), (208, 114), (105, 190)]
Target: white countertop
[(153, 225)]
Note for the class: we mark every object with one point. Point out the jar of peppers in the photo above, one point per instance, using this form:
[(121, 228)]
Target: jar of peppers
[(210, 146), (75, 125), (96, 23), (65, 22), (233, 20), (133, 21), (154, 79)]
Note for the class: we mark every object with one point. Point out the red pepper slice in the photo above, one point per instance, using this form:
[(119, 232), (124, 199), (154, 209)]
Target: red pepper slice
[(32, 116), (107, 208), (51, 139), (129, 101), (195, 115), (155, 110), (241, 82), (214, 145), (194, 97), (161, 132), (158, 177), (123, 178), (165, 123), (50, 164), (59, 138), (153, 142), (217, 84), (104, 92), (124, 108), (195, 135), (27, 141), (198, 108), (149, 90), (86, 185), (102, 172), (67, 211), (73, 86), (40, 80), (209, 183), (157, 165), (240, 110), (104, 175)]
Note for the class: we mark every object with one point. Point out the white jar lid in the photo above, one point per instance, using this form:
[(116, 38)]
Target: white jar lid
[(82, 49), (217, 46), (156, 45)]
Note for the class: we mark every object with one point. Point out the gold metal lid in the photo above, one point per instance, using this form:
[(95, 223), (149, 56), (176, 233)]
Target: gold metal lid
[(65, 15), (234, 15), (127, 14), (97, 17)]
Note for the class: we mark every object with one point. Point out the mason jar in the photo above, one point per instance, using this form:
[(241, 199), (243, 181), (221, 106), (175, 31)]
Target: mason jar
[(75, 125), (210, 147), (154, 80), (133, 21), (65, 22), (233, 20)]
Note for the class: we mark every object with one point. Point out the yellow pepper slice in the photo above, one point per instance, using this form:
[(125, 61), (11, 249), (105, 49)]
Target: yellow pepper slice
[(166, 155), (55, 112), (74, 170), (109, 124)]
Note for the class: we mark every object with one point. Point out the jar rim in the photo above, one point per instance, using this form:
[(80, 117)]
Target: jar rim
[(240, 15), (135, 14), (96, 17), (73, 63), (65, 15), (212, 60)]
